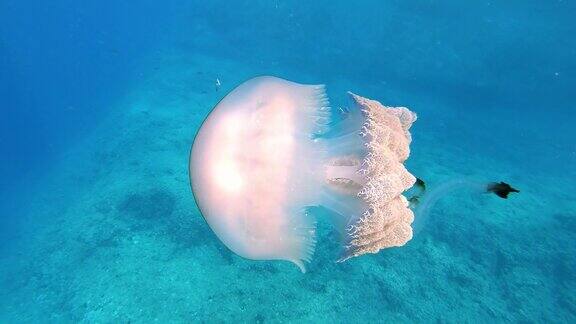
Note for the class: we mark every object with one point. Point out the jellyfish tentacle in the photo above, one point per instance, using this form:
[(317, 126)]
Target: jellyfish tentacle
[(426, 201), (301, 237), (317, 110)]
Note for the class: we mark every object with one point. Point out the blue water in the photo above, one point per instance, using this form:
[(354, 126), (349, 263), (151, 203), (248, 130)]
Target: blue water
[(99, 104)]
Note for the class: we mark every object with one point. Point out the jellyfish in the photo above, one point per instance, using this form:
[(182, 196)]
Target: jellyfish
[(272, 150)]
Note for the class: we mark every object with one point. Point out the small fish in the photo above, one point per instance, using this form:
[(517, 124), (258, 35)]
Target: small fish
[(501, 189), (420, 189), (420, 184), (218, 84)]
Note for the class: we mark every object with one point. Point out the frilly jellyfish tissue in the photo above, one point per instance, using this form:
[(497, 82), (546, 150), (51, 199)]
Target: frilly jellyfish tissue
[(271, 149)]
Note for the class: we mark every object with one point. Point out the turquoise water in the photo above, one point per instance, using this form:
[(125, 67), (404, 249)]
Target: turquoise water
[(99, 104)]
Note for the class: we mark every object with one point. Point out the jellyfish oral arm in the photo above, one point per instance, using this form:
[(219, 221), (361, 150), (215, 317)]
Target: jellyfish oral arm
[(365, 177)]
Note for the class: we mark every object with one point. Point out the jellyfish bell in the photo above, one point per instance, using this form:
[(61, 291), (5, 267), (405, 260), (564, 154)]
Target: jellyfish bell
[(271, 149)]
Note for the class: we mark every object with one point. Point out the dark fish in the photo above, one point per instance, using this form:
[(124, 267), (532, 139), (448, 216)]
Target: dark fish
[(420, 188), (501, 189), (420, 183)]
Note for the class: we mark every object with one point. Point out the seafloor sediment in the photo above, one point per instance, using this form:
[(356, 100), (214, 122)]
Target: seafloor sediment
[(111, 232)]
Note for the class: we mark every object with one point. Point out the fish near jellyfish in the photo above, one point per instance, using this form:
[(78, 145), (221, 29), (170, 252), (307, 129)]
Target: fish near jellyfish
[(271, 149)]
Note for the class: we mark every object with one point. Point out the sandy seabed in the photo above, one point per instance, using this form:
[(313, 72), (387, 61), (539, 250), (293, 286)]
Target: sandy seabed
[(111, 233)]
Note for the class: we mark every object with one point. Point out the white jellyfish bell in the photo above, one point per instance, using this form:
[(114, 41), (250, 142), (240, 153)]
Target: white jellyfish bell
[(271, 149)]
